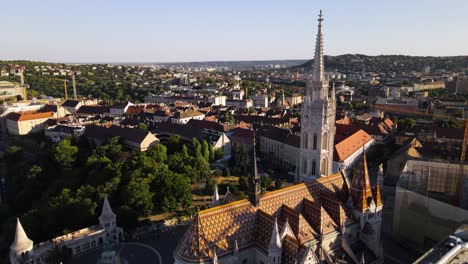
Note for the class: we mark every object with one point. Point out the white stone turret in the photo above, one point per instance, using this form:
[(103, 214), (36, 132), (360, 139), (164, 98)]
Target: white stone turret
[(215, 257), (108, 221), (215, 200), (274, 249), (236, 253), (107, 217), (22, 246)]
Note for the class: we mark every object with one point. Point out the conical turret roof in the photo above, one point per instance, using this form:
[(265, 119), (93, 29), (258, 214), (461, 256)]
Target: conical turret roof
[(22, 243), (106, 214)]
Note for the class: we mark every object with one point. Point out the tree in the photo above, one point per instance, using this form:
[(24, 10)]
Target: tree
[(239, 162), (212, 153), (173, 144), (205, 150), (172, 190), (137, 195), (14, 154), (143, 126), (406, 123), (218, 154), (159, 153), (64, 154)]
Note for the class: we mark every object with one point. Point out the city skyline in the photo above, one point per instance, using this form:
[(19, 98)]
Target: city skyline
[(182, 31)]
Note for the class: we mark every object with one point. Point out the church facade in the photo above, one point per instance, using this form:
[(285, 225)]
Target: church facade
[(324, 218), (23, 249)]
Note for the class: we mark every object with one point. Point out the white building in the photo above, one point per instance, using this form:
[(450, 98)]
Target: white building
[(23, 249), (184, 117)]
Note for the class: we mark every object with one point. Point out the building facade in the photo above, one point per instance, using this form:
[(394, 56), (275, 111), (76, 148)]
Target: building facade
[(317, 120), (23, 249)]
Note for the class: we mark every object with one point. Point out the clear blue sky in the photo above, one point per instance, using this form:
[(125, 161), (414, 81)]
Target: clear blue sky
[(201, 30)]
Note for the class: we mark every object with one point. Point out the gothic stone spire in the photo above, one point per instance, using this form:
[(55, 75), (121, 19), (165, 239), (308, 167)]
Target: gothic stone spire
[(318, 67), (254, 179)]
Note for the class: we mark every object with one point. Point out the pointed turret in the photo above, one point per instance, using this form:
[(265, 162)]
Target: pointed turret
[(287, 230), (215, 201), (361, 191), (227, 194), (21, 243), (254, 179), (215, 257), (318, 67), (378, 192), (106, 214), (275, 236), (274, 248), (236, 252)]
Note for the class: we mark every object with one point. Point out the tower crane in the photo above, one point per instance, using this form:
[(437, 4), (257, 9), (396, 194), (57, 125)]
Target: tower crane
[(64, 86)]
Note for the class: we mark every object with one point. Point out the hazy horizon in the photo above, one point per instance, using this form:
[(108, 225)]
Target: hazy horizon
[(208, 30)]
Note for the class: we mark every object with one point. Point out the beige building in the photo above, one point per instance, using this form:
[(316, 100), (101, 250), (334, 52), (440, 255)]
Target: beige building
[(9, 89), (133, 138), (294, 99), (26, 122), (428, 86)]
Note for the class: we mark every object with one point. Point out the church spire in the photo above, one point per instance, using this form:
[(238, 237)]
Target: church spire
[(107, 217), (22, 243), (215, 200), (360, 186), (275, 235), (254, 179), (318, 67)]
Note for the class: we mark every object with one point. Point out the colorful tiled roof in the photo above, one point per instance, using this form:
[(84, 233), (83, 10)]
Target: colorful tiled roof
[(219, 227)]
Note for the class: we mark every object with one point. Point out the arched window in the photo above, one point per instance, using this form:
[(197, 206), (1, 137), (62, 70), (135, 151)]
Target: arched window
[(306, 140), (314, 165), (304, 166), (315, 141), (325, 140), (323, 167)]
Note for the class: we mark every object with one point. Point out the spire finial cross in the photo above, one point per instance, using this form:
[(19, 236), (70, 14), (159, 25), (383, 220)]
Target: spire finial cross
[(320, 19)]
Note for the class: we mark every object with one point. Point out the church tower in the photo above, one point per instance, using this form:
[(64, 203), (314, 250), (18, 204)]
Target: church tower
[(366, 206), (317, 120)]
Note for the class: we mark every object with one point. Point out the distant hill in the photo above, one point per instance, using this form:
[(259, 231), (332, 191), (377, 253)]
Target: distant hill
[(390, 63)]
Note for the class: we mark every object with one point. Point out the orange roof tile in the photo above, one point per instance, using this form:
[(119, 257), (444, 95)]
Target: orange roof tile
[(351, 144), (30, 115)]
